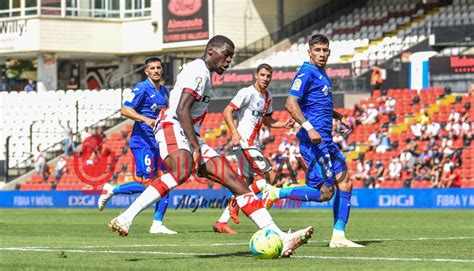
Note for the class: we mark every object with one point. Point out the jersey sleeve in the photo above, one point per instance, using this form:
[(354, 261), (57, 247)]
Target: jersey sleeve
[(135, 97), (270, 104), (240, 100), (193, 81), (300, 84)]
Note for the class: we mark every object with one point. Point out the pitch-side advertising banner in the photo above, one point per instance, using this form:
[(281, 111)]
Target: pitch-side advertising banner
[(193, 200)]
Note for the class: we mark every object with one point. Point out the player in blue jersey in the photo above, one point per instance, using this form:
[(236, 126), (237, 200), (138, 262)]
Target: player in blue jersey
[(143, 105), (310, 104)]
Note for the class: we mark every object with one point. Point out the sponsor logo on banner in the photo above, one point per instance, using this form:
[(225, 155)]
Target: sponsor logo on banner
[(396, 200), (185, 20), (86, 200)]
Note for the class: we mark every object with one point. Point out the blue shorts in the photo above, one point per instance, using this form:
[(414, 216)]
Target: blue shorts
[(324, 162), (146, 162)]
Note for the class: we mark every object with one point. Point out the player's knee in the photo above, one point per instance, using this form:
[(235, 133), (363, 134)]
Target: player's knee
[(326, 193), (345, 183)]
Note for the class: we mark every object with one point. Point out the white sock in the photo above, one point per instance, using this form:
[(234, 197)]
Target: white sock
[(252, 207), (147, 198), (157, 223), (336, 234), (225, 215)]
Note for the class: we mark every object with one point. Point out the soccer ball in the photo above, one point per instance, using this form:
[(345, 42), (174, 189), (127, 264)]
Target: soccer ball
[(266, 244)]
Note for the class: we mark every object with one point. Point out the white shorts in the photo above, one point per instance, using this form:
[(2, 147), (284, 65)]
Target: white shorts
[(251, 160), (171, 137)]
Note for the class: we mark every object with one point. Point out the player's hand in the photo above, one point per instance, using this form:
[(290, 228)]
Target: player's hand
[(314, 136), (235, 139), (196, 159), (150, 122), (290, 123), (346, 126)]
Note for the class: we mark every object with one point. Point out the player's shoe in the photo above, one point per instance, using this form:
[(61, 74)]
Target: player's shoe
[(104, 198), (120, 225), (223, 227), (234, 210), (343, 242), (155, 229), (295, 240), (269, 195)]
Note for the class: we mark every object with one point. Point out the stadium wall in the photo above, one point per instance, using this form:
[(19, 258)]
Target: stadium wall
[(247, 21), (453, 198)]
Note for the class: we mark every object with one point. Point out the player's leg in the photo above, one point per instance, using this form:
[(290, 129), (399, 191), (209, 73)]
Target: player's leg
[(178, 161), (162, 205), (140, 158), (319, 186), (218, 169), (342, 201)]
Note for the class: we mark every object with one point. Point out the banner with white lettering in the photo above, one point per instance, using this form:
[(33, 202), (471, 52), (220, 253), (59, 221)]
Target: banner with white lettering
[(185, 21), (193, 200)]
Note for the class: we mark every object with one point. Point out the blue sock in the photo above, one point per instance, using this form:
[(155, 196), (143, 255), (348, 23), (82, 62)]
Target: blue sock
[(160, 208), (342, 207), (304, 193), (129, 188)]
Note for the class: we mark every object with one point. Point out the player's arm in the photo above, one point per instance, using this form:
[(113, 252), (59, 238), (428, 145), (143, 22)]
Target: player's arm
[(296, 113), (338, 116), (273, 123), (184, 115), (229, 120), (131, 113)]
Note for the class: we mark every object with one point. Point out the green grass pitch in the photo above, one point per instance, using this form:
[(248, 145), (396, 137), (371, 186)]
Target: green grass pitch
[(46, 239)]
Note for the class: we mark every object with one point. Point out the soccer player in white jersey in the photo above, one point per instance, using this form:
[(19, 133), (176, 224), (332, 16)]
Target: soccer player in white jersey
[(184, 152), (254, 109)]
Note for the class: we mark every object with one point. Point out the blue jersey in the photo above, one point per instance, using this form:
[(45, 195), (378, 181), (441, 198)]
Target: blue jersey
[(313, 89), (147, 101)]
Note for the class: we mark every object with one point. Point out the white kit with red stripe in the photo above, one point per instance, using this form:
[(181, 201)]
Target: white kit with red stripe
[(195, 79), (252, 106)]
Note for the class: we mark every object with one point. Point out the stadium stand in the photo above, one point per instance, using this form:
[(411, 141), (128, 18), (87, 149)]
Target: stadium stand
[(40, 116), (410, 109)]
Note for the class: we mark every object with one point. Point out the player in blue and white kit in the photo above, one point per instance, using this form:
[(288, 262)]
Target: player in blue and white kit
[(143, 105), (310, 104)]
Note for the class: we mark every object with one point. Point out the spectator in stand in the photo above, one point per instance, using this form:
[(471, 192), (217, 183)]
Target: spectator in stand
[(454, 115), (374, 140), (433, 129), (376, 176), (60, 168), (294, 154), (394, 170), (72, 84), (370, 115), (68, 139), (30, 87), (282, 148), (363, 170), (390, 104), (453, 179), (416, 129), (376, 79), (85, 134), (384, 144), (405, 160), (39, 158)]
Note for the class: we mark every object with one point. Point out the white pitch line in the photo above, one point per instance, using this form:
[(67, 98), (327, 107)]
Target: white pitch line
[(241, 244), (214, 254), (385, 259), (106, 251)]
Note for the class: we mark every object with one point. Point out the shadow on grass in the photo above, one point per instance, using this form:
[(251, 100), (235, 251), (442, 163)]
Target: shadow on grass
[(234, 254)]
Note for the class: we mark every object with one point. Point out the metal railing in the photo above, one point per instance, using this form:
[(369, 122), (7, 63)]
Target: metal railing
[(54, 150)]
